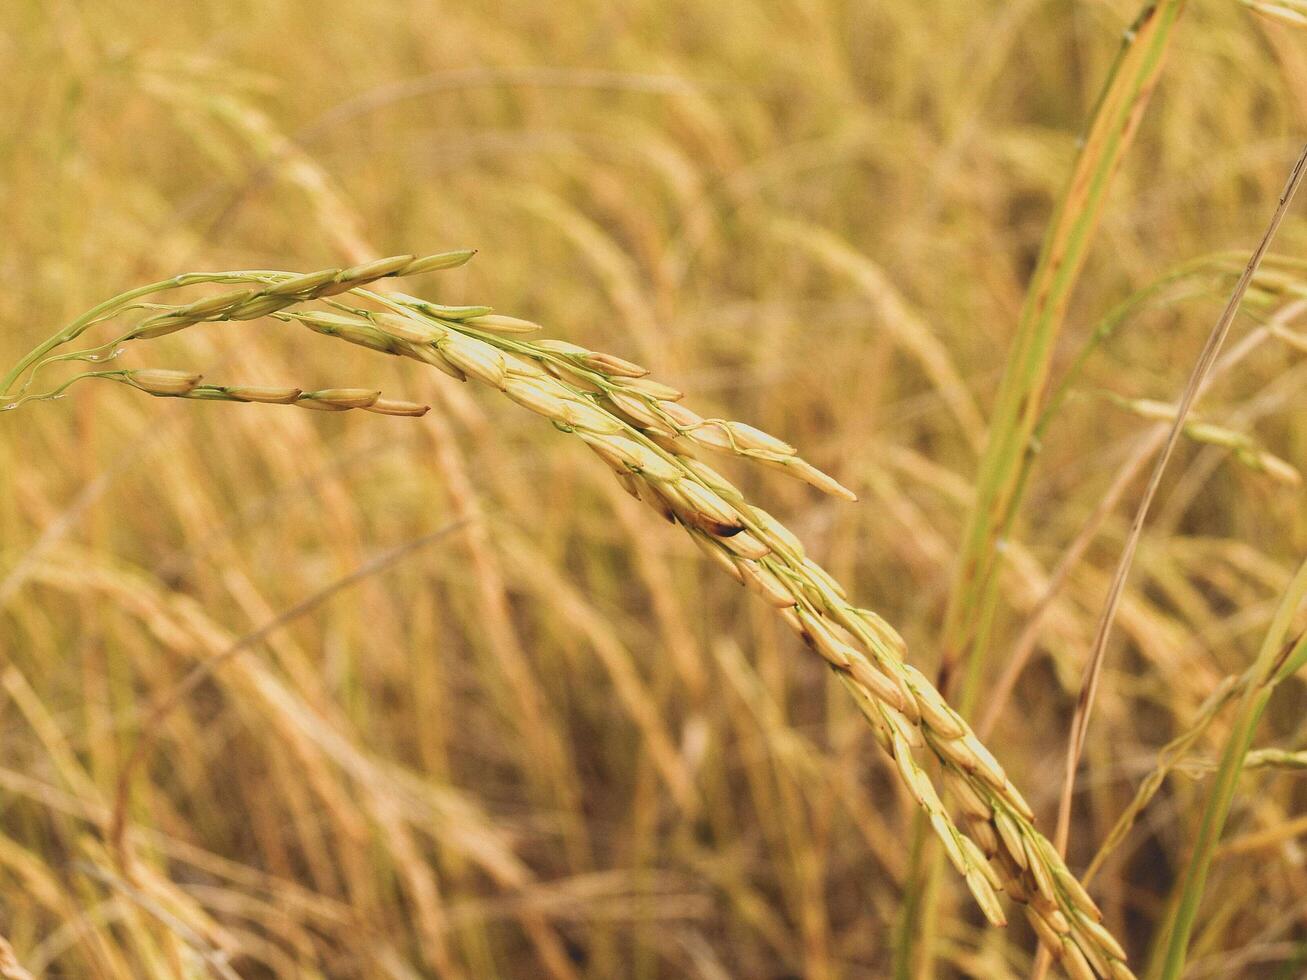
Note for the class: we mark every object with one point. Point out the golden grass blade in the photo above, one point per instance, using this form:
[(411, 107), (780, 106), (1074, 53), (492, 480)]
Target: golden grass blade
[(1193, 389), (1018, 404)]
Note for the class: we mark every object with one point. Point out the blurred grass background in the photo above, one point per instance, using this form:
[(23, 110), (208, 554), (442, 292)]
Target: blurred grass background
[(554, 742)]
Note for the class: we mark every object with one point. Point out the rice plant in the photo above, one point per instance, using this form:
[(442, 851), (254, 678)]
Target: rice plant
[(364, 673)]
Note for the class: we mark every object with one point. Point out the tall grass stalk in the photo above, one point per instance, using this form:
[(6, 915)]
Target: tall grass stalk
[(1279, 658), (1197, 383), (1193, 390), (1009, 450), (1018, 404)]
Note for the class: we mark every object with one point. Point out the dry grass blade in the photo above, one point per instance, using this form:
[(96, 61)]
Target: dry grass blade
[(1281, 656), (1197, 381), (1007, 455), (117, 832), (10, 968), (1193, 389), (1019, 401)]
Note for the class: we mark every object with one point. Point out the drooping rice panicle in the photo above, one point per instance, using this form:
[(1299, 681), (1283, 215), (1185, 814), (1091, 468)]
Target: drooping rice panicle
[(653, 443)]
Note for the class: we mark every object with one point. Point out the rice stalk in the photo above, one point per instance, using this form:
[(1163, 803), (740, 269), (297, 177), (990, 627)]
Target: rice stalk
[(1018, 405), (1010, 447), (1280, 657), (1291, 12), (1193, 390), (396, 800), (10, 968)]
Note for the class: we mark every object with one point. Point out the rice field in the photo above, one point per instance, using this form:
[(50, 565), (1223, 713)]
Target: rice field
[(973, 648)]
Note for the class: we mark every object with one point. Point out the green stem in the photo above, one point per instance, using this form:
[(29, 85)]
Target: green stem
[(80, 325), (1006, 460), (1018, 404), (1275, 661), (114, 304)]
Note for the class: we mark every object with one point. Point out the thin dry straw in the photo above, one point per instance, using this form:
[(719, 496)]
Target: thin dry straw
[(1281, 656), (1026, 643), (1291, 12), (1004, 465), (1171, 758), (651, 441), (214, 959), (1197, 380), (10, 967), (187, 685)]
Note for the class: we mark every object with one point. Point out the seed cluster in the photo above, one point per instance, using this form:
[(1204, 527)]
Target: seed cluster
[(652, 442), (288, 290), (1242, 446), (184, 384)]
